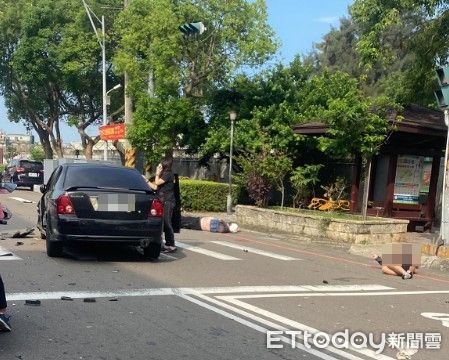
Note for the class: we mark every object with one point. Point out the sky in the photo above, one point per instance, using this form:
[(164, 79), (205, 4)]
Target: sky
[(298, 24)]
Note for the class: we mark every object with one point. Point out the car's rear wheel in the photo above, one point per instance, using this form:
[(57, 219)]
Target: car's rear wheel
[(152, 251), (54, 248)]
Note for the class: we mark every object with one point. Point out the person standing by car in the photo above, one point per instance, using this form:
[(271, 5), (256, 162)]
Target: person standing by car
[(4, 318), (164, 185)]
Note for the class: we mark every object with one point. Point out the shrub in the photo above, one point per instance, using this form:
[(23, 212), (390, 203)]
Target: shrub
[(201, 195)]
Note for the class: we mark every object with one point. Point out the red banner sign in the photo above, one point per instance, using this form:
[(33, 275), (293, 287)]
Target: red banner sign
[(112, 132)]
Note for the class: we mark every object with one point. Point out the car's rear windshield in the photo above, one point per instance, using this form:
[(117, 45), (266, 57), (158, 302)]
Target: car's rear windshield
[(104, 177), (31, 165)]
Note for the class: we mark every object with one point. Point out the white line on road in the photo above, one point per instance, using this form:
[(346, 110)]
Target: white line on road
[(26, 201), (166, 256), (8, 255), (54, 295), (298, 326), (252, 325), (255, 251), (210, 253), (325, 294)]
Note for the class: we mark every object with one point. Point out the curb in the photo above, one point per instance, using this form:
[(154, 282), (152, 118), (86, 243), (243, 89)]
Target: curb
[(441, 251)]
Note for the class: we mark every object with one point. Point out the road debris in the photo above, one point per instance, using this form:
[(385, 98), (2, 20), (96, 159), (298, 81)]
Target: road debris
[(19, 243), (66, 298), (33, 302), (22, 233), (325, 282)]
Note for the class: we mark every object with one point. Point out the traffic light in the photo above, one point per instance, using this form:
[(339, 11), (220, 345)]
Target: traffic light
[(192, 28), (442, 94)]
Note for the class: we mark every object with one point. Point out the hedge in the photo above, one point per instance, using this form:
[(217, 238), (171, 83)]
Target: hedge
[(201, 195)]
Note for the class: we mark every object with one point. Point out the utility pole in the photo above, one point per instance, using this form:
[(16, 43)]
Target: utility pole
[(102, 41), (442, 97), (130, 153), (128, 101)]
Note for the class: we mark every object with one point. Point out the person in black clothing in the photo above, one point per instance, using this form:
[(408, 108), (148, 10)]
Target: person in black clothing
[(164, 186), (4, 318)]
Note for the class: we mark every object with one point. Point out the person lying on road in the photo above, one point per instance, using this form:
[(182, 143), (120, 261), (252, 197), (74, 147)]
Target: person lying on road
[(208, 223), (404, 270)]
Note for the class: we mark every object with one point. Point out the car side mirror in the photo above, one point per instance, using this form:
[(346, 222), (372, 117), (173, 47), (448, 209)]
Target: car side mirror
[(43, 188)]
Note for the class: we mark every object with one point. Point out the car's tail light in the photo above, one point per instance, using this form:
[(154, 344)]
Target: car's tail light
[(20, 169), (64, 205), (157, 209)]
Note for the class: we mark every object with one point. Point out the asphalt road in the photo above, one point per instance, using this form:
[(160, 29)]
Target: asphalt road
[(215, 298)]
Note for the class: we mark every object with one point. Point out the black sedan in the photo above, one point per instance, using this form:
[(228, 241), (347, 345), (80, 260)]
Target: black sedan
[(98, 203)]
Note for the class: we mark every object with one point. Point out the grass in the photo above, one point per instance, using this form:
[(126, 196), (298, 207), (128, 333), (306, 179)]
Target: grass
[(325, 214)]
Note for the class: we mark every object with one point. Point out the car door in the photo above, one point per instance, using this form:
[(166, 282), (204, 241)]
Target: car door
[(43, 203)]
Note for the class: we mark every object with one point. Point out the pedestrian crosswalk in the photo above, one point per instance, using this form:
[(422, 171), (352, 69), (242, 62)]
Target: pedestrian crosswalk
[(254, 251), (206, 252), (226, 251), (8, 255), (219, 250)]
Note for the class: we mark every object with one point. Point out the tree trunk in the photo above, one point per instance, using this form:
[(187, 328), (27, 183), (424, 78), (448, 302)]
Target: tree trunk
[(88, 150), (45, 141), (366, 187), (119, 146), (282, 194)]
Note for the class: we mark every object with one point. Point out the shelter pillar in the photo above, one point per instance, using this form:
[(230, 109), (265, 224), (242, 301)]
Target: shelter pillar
[(389, 191)]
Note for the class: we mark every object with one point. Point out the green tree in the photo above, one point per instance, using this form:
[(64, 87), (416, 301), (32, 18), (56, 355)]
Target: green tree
[(11, 152), (416, 28), (50, 67), (303, 180), (164, 64), (37, 153), (338, 52)]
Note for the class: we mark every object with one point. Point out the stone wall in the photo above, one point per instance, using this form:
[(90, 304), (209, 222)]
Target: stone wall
[(372, 231)]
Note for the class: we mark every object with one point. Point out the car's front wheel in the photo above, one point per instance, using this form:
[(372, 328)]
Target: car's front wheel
[(152, 251)]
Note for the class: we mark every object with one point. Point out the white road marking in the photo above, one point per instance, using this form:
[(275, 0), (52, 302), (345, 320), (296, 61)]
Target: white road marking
[(8, 255), (26, 201), (325, 294), (444, 318), (166, 256), (254, 326), (302, 327), (174, 291), (210, 253), (292, 288), (255, 251), (249, 319)]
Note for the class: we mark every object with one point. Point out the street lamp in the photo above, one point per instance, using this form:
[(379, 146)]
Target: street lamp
[(108, 102), (102, 41), (232, 117), (108, 98)]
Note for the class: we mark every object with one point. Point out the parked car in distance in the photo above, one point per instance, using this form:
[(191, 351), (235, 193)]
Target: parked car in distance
[(25, 173), (99, 203)]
